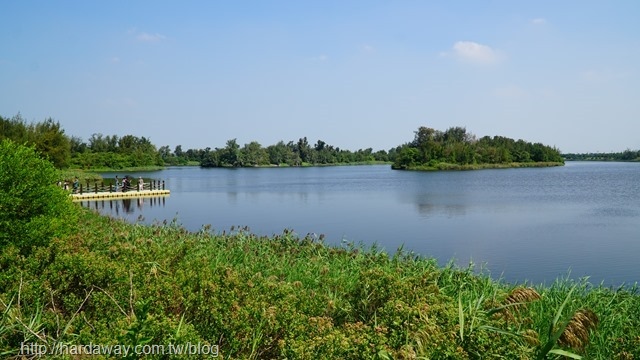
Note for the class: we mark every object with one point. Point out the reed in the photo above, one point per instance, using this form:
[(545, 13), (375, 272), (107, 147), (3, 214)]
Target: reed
[(291, 296)]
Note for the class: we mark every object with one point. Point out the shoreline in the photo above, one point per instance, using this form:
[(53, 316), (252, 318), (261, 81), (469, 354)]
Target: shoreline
[(467, 167)]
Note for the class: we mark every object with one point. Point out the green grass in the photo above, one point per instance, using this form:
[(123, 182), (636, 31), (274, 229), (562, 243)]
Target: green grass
[(290, 297)]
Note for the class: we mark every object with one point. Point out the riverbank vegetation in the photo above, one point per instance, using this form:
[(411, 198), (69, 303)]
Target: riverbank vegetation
[(453, 149), (96, 280), (627, 155), (456, 149), (299, 153), (129, 152), (70, 152)]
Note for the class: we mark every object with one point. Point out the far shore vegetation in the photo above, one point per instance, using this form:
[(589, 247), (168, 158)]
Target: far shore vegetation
[(453, 149), (69, 276), (442, 166), (102, 153), (457, 149), (627, 155)]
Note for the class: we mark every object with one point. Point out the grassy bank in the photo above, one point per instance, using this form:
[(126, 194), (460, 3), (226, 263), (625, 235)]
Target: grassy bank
[(447, 166), (291, 297)]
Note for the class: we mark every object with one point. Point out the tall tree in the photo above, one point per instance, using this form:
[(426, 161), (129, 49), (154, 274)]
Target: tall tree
[(50, 140), (231, 154), (253, 154)]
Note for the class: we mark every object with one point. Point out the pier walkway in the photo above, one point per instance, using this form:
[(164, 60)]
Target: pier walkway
[(102, 192), (119, 195)]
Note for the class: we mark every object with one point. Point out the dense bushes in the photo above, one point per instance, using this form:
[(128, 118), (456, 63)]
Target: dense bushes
[(288, 297), (33, 210)]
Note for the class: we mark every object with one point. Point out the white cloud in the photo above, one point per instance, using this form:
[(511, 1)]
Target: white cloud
[(538, 21), (146, 37), (476, 53)]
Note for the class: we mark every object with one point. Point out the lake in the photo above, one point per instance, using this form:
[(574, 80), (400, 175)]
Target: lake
[(528, 224)]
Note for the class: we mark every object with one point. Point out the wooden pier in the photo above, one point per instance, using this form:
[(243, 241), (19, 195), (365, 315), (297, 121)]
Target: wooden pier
[(104, 195), (154, 188)]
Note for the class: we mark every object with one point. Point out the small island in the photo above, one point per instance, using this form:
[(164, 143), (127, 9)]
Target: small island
[(457, 149)]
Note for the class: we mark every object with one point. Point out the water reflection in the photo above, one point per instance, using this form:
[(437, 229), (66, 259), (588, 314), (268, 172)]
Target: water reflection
[(449, 210), (120, 207)]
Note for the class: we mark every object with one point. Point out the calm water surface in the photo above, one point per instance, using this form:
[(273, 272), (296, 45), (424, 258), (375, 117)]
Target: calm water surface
[(534, 225)]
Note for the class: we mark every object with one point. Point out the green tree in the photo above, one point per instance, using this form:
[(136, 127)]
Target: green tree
[(14, 129), (77, 145), (429, 142), (178, 151), (209, 158), (381, 155), (304, 150), (50, 140), (164, 152), (97, 143), (127, 144), (254, 154), (407, 156), (231, 154), (279, 153), (455, 135), (33, 209)]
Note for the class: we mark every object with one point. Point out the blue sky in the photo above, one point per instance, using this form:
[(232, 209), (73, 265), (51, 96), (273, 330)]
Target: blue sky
[(354, 74)]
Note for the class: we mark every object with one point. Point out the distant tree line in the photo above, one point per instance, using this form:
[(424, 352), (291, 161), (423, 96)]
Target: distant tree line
[(115, 152), (431, 147), (627, 155), (50, 140), (290, 154)]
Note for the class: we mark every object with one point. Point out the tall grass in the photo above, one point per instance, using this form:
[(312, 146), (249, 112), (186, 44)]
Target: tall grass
[(293, 297)]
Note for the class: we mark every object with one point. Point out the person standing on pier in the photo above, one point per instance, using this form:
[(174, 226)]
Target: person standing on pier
[(140, 184), (117, 184)]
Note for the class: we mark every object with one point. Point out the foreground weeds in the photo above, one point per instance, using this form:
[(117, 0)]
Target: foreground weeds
[(291, 297)]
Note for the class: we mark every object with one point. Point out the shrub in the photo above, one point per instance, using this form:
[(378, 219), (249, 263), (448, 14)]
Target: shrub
[(33, 210)]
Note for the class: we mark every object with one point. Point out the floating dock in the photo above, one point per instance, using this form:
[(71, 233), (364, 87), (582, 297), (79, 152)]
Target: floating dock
[(104, 195)]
